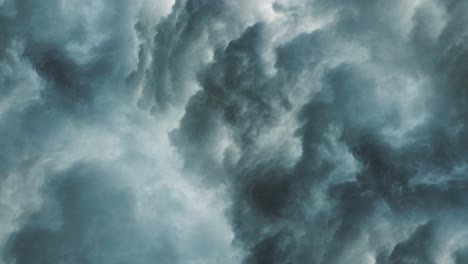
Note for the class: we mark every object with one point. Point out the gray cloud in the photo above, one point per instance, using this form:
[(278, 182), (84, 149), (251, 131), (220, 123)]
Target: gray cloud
[(367, 153), (78, 181), (78, 225), (218, 132)]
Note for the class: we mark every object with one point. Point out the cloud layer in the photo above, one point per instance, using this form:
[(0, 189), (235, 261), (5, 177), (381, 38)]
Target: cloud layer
[(213, 131)]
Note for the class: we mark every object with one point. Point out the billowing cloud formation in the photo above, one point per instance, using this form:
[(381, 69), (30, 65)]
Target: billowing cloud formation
[(212, 131)]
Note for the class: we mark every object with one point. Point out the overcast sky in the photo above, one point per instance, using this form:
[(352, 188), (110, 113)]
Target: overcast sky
[(233, 132)]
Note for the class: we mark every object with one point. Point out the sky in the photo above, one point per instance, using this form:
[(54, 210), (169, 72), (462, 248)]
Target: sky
[(234, 132)]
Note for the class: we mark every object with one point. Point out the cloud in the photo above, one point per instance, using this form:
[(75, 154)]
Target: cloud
[(371, 142), (85, 218), (85, 172), (206, 131)]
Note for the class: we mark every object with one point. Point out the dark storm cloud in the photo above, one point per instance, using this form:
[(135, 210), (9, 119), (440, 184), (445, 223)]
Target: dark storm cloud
[(87, 218), (226, 85), (175, 46), (461, 256), (182, 45), (417, 249), (412, 175), (50, 63), (50, 75), (73, 162), (335, 130), (72, 50)]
